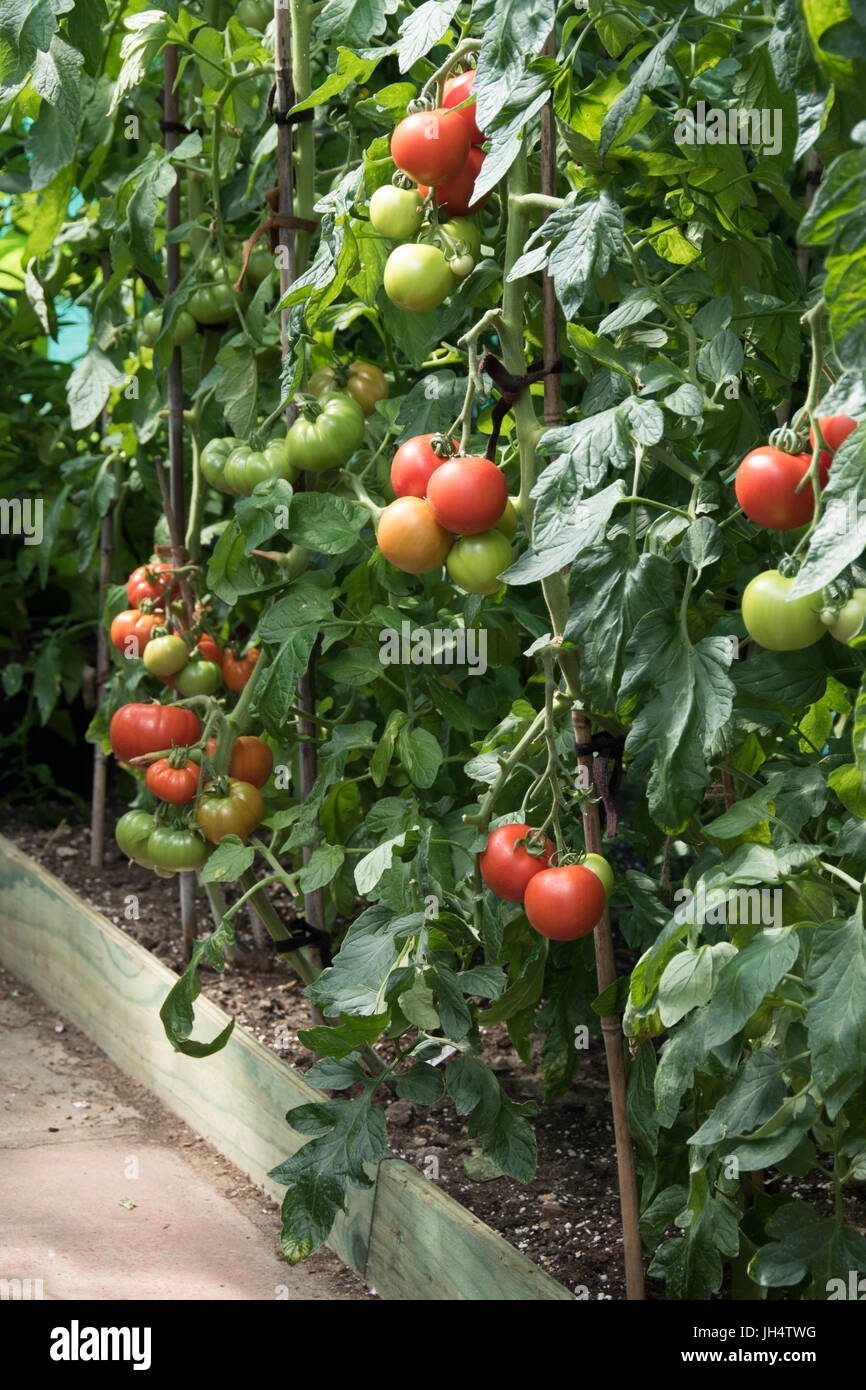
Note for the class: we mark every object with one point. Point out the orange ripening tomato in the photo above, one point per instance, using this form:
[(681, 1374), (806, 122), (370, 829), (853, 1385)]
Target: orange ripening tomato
[(131, 631), (251, 759), (410, 537), (238, 669)]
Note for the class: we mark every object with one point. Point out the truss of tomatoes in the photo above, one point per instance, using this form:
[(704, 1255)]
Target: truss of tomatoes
[(562, 902), (440, 151), (766, 485), (449, 509)]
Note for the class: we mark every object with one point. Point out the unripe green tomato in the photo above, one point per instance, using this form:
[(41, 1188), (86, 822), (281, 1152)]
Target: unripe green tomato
[(602, 869), (777, 622), (150, 326), (212, 304), (507, 523), (474, 562), (212, 462), (132, 833), (185, 327), (396, 213), (417, 277), (261, 264), (165, 656), (849, 620), (198, 678)]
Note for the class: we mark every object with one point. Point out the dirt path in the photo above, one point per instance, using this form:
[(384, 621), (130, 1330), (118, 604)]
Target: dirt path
[(107, 1195)]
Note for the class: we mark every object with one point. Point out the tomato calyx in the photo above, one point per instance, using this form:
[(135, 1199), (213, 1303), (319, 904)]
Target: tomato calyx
[(789, 566), (420, 103), (789, 440), (443, 446)]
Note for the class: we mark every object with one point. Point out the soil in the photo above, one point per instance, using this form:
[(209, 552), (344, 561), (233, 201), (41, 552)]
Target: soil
[(566, 1220)]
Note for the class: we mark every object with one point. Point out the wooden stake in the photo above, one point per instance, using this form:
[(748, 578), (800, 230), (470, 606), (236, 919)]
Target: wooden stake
[(284, 98), (611, 1028)]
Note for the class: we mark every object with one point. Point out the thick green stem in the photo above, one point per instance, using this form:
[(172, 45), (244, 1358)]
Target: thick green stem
[(305, 162)]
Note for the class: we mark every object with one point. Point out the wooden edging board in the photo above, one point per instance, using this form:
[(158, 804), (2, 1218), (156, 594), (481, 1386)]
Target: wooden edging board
[(407, 1239)]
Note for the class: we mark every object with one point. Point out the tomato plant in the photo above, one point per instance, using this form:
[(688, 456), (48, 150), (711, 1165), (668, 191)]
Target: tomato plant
[(649, 283)]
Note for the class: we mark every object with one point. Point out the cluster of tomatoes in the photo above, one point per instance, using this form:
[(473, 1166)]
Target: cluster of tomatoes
[(766, 485), (440, 151), (328, 430), (451, 510), (563, 902), (170, 737)]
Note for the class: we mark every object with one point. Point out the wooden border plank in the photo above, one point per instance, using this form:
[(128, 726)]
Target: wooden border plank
[(426, 1244), (112, 988), (405, 1237)]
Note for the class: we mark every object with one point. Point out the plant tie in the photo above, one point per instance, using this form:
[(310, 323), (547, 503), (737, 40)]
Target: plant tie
[(605, 749), (509, 387)]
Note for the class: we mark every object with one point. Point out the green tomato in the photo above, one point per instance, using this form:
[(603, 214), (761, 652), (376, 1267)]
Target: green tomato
[(215, 266), (507, 523), (255, 15), (261, 263), (474, 562), (212, 461), (847, 623), (150, 328), (774, 621), (601, 868), (212, 304), (132, 833), (185, 327), (198, 678), (417, 277), (325, 436), (245, 467), (176, 849), (165, 656), (396, 213)]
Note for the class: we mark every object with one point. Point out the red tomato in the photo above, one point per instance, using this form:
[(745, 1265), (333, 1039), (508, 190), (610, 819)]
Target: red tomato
[(149, 581), (467, 495), (766, 484), (251, 759), (564, 903), (131, 630), (411, 538), (457, 89), (177, 785), (431, 146), (454, 195), (137, 729), (835, 429), (508, 871), (208, 650), (413, 464), (238, 669)]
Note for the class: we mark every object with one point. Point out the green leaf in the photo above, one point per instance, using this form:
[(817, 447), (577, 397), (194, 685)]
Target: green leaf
[(90, 385), (745, 981), (355, 983), (756, 1094), (422, 29), (836, 1011), (647, 76), (422, 1083), (506, 1135), (565, 527), (323, 865), (328, 524), (804, 1243), (421, 755), (229, 860), (344, 1038)]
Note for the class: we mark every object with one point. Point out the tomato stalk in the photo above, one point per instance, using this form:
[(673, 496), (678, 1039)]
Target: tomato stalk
[(437, 80), (233, 724), (814, 318)]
